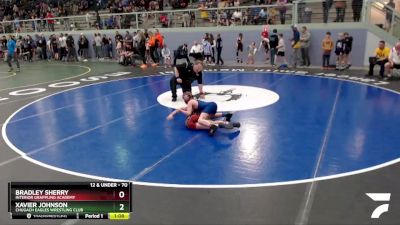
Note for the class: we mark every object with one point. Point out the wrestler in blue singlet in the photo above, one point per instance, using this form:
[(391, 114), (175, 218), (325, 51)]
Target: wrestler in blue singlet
[(207, 107)]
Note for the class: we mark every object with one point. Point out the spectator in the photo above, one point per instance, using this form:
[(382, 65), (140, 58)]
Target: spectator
[(213, 44), (54, 47), (280, 55), (339, 51), (282, 10), (181, 53), (50, 21), (97, 46), (141, 47), (118, 37), (381, 58), (11, 53), (83, 45), (196, 51), (252, 53), (219, 46), (41, 43), (159, 42), (273, 44), (237, 16), (128, 40), (31, 47), (71, 49), (340, 6), (348, 46), (153, 48), (62, 40), (307, 14), (390, 6), (357, 8), (207, 50), (264, 43), (296, 45), (305, 45), (273, 15), (50, 53), (394, 61), (239, 48), (327, 46), (118, 47), (255, 15), (166, 54), (186, 19), (105, 47), (301, 5)]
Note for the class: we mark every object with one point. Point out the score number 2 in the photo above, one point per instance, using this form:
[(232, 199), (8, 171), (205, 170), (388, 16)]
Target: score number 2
[(121, 194)]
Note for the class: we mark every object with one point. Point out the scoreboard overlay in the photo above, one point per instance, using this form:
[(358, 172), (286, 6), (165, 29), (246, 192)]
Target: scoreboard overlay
[(70, 200)]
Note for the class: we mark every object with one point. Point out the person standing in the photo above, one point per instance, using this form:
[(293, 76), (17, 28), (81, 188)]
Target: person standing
[(264, 43), (301, 6), (252, 53), (239, 48), (296, 47), (340, 6), (326, 5), (42, 45), (219, 45), (273, 43), (327, 46), (54, 47), (213, 44), (390, 6), (11, 53), (348, 46), (62, 40), (207, 51), (282, 10), (71, 48), (105, 46), (339, 51), (357, 8), (97, 45), (166, 54), (305, 45), (280, 52)]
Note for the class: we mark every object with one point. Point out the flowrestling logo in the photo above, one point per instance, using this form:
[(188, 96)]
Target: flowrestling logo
[(227, 97)]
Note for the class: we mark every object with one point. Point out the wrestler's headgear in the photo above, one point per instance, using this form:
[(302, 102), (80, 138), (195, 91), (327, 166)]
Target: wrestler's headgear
[(187, 96)]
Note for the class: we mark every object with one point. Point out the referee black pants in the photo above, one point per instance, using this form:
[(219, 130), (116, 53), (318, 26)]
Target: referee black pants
[(186, 85)]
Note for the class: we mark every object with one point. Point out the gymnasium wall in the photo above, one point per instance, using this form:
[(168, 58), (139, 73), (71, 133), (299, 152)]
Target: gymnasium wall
[(363, 41)]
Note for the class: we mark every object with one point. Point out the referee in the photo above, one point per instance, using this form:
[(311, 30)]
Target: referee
[(184, 75)]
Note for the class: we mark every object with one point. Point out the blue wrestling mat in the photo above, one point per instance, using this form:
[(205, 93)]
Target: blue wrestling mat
[(294, 129)]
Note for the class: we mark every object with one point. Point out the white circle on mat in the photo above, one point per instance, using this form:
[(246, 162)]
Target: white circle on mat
[(227, 97)]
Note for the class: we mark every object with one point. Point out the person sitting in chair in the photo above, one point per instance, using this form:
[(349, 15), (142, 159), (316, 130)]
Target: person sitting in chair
[(381, 58), (394, 61)]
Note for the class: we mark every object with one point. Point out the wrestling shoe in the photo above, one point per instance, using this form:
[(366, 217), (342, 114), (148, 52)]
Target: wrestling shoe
[(212, 130), (228, 117), (236, 124), (226, 125)]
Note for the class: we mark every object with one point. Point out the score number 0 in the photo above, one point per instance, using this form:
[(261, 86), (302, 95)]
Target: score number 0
[(121, 194)]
